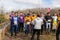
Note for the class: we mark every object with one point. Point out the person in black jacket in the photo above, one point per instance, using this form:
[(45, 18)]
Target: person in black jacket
[(48, 20)]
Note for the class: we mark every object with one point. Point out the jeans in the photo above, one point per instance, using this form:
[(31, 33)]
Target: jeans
[(14, 29), (48, 26), (27, 29)]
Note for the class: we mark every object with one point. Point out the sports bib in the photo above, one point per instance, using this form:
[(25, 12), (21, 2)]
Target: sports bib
[(15, 22), (49, 20), (28, 22)]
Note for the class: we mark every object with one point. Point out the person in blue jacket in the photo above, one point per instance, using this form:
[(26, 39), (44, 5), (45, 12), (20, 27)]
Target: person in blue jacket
[(14, 20)]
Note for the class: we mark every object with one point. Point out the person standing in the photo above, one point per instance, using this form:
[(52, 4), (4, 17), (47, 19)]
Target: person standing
[(58, 29), (37, 27), (11, 22), (48, 20), (21, 21), (27, 23), (14, 28), (43, 26), (54, 22)]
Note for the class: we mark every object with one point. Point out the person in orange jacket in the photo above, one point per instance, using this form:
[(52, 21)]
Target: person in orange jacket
[(27, 24)]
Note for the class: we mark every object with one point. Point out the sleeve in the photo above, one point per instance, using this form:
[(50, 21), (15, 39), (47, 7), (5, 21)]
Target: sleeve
[(25, 19), (45, 17), (41, 21), (34, 22), (18, 19), (10, 17), (51, 17)]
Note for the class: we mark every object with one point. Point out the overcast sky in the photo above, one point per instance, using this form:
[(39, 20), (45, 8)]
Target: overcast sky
[(24, 4)]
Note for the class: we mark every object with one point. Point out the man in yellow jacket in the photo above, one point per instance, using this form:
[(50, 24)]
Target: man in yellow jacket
[(27, 23)]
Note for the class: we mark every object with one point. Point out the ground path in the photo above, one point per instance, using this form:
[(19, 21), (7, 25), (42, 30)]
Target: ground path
[(22, 36)]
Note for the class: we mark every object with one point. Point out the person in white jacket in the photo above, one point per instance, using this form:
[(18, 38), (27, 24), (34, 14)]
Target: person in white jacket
[(37, 27)]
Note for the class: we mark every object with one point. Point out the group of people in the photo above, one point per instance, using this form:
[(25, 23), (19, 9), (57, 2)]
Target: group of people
[(32, 23)]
